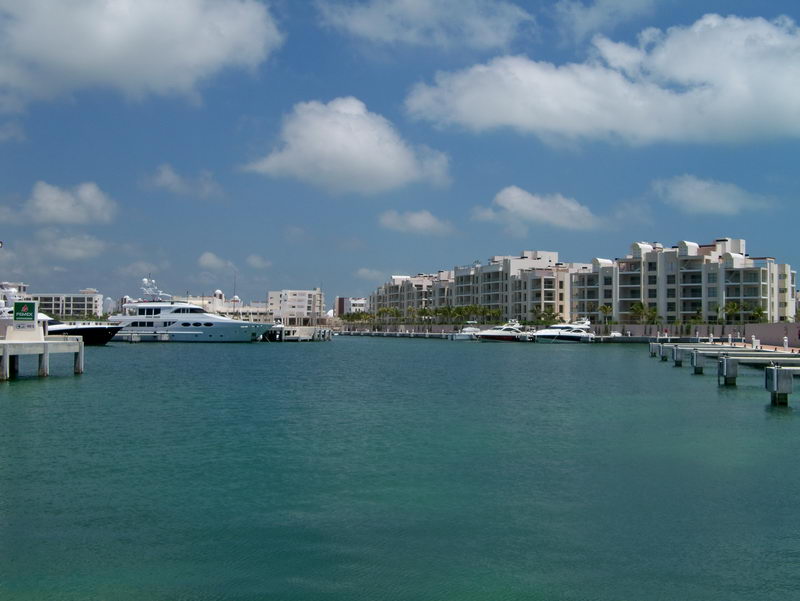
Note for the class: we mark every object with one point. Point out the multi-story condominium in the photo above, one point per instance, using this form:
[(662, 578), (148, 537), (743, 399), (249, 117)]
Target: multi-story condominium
[(63, 304), (520, 287), (406, 293), (297, 307), (687, 281), (342, 305)]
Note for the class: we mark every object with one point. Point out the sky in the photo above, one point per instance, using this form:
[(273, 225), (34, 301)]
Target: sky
[(332, 143)]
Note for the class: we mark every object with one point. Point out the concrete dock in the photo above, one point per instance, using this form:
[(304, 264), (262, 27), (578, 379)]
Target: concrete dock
[(11, 351)]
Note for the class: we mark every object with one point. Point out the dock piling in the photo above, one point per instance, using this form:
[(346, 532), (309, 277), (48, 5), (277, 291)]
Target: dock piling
[(79, 359), (779, 382), (698, 361), (44, 362), (727, 370)]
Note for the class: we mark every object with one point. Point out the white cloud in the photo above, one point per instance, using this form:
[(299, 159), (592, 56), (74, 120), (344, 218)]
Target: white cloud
[(517, 208), (581, 18), (722, 79), (203, 186), (692, 195), (138, 47), (371, 275), (258, 262), (418, 222), (69, 247), (342, 147), (481, 24), (212, 262), (86, 203), (139, 269), (11, 130)]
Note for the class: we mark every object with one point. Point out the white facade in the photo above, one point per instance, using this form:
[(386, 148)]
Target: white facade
[(687, 281), (342, 305), (257, 312), (520, 287), (297, 307), (64, 304)]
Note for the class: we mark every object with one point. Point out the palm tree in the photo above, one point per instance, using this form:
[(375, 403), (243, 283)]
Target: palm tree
[(758, 314), (639, 312), (606, 310), (731, 310)]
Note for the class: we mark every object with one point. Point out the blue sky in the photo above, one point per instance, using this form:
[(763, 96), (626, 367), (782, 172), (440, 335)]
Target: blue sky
[(295, 144)]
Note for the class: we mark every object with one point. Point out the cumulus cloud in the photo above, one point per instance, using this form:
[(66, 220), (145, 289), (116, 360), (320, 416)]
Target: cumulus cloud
[(69, 247), (722, 79), (258, 262), (371, 275), (11, 130), (342, 147), (583, 18), (517, 209), (212, 262), (137, 47), (202, 186), (86, 203), (690, 194), (480, 24), (417, 222), (139, 269)]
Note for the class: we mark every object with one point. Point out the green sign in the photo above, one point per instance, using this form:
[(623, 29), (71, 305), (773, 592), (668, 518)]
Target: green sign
[(25, 311)]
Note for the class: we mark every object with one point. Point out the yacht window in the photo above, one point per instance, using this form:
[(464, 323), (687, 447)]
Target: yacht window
[(141, 311), (186, 324), (195, 310), (196, 324), (208, 324)]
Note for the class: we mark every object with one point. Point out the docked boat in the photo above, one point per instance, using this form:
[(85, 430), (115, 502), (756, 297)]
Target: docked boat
[(468, 332), (93, 334), (579, 331), (162, 320), (508, 332)]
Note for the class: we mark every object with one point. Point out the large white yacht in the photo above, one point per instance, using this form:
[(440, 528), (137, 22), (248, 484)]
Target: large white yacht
[(579, 331), (163, 320), (508, 332)]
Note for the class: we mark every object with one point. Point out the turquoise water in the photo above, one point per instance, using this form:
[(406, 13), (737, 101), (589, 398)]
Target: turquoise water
[(380, 469)]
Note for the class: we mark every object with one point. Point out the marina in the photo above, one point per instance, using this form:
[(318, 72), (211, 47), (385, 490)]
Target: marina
[(467, 468)]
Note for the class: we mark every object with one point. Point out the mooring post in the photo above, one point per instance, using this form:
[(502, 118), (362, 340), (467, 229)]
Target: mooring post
[(5, 361), (698, 361), (653, 349), (79, 358), (664, 351), (14, 366), (727, 370), (677, 356), (779, 383), (44, 361)]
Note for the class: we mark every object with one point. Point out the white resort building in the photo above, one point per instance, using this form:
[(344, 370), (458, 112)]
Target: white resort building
[(63, 304), (686, 281), (297, 307), (520, 287)]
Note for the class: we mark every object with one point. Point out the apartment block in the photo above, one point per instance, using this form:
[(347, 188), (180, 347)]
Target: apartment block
[(342, 305), (63, 304), (684, 282), (520, 287), (297, 307)]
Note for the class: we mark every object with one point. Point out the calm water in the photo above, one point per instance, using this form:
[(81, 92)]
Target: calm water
[(378, 469)]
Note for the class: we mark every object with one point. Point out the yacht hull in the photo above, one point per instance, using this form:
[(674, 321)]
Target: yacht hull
[(92, 335), (217, 333)]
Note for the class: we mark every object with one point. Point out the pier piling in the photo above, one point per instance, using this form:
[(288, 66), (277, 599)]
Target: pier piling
[(727, 371), (779, 382)]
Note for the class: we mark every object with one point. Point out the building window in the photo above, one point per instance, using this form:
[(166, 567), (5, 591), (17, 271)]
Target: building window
[(607, 281), (670, 292), (670, 306), (652, 293), (670, 279), (652, 280)]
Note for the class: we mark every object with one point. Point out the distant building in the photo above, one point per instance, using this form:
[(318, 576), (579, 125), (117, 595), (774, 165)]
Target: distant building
[(297, 307), (686, 281), (257, 312), (342, 305), (519, 287), (63, 304)]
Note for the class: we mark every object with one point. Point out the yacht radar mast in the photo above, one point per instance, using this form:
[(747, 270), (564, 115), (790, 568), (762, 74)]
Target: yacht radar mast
[(150, 288)]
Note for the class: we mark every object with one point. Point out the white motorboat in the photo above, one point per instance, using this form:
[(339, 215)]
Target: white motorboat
[(508, 332), (468, 332), (160, 320), (579, 331)]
